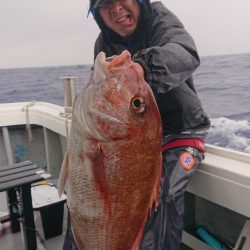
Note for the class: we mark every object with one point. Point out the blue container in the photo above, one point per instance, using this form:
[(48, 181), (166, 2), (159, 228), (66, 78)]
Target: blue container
[(210, 240)]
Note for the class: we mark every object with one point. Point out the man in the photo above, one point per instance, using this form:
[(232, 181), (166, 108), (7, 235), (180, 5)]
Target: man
[(165, 54)]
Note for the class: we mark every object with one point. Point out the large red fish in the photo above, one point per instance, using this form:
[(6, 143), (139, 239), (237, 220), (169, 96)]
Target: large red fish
[(112, 167)]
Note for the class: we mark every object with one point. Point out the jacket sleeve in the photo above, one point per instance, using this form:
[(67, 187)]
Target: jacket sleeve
[(171, 56)]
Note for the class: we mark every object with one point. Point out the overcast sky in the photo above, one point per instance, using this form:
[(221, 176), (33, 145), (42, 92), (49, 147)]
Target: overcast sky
[(58, 32)]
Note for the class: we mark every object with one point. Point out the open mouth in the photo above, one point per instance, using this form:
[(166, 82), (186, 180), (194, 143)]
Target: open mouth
[(127, 19)]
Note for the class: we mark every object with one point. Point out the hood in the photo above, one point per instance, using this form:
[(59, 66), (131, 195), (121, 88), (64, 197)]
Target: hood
[(109, 35)]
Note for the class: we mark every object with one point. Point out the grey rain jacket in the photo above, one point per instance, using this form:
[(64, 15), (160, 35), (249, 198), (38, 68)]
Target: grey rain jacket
[(169, 57)]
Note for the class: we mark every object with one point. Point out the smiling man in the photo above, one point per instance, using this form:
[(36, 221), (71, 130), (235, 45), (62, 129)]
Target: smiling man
[(166, 56), (118, 20), (120, 16)]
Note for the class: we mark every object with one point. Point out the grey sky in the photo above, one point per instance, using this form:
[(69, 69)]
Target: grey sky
[(58, 32)]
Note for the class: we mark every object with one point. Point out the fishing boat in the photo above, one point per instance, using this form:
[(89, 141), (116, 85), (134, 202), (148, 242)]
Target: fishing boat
[(217, 199)]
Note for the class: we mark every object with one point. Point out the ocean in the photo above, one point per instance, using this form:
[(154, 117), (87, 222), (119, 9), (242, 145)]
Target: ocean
[(222, 83)]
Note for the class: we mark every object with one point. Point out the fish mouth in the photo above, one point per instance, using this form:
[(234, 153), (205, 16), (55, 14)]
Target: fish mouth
[(105, 66), (100, 68), (103, 63)]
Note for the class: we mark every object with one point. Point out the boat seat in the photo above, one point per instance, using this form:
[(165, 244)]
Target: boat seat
[(16, 180)]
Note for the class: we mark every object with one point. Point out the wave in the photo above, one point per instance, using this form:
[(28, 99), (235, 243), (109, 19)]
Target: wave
[(228, 133), (240, 116)]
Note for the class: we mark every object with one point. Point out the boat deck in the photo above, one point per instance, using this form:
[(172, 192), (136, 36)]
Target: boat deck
[(15, 241)]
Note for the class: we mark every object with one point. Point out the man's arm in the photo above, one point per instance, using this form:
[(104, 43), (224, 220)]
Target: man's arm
[(172, 56)]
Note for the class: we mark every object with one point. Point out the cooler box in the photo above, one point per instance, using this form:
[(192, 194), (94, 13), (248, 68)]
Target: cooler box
[(45, 199)]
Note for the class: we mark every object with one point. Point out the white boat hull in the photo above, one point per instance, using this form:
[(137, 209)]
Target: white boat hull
[(222, 186)]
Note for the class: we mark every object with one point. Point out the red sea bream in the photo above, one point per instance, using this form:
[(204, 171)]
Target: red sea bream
[(112, 167)]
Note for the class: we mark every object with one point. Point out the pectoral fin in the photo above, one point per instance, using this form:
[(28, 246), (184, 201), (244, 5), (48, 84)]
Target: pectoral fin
[(98, 171)]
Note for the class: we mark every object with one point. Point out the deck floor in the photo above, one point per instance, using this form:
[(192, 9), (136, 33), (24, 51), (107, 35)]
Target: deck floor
[(14, 241)]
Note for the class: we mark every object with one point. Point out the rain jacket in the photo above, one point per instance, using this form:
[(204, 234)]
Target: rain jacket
[(169, 57)]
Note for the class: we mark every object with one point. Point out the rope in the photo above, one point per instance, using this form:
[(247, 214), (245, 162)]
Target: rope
[(28, 126)]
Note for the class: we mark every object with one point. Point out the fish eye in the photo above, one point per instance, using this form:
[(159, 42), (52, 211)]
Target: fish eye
[(138, 105)]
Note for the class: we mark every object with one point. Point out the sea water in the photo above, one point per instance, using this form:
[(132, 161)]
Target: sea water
[(222, 83)]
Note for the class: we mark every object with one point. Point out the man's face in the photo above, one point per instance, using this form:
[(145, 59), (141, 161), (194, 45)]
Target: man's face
[(120, 16)]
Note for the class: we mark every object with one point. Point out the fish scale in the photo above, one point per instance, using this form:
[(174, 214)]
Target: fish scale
[(112, 167)]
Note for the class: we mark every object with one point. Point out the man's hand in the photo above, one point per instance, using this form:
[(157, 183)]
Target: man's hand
[(139, 69)]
